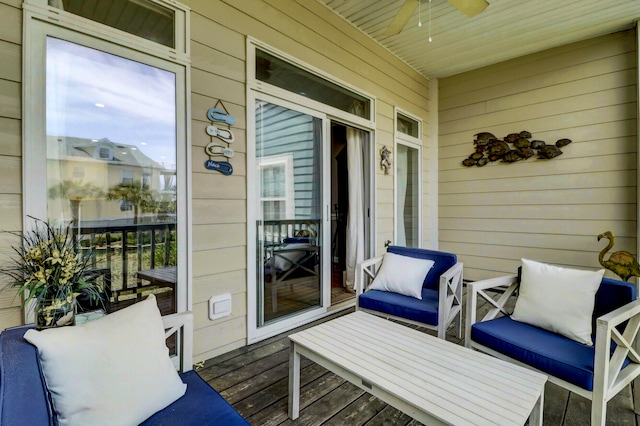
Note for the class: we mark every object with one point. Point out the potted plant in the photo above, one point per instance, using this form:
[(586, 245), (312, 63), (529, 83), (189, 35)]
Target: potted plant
[(49, 269)]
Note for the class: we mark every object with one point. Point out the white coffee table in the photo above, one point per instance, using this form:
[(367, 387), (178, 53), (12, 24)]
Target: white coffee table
[(433, 381)]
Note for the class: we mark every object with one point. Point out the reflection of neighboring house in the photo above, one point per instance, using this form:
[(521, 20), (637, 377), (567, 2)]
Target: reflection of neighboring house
[(103, 163), (287, 167)]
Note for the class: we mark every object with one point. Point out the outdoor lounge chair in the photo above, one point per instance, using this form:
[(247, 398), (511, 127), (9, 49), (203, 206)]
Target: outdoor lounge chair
[(440, 288), (294, 257), (597, 372)]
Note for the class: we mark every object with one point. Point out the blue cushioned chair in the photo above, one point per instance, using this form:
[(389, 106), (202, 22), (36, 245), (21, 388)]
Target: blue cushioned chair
[(24, 397), (595, 372), (441, 303)]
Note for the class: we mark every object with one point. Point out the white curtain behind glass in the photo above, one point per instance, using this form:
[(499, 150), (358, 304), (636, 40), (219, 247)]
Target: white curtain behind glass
[(355, 218), (402, 167)]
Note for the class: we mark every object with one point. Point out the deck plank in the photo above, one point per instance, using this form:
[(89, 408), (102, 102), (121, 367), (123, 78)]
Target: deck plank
[(389, 416), (278, 391), (321, 411), (277, 413), (358, 412)]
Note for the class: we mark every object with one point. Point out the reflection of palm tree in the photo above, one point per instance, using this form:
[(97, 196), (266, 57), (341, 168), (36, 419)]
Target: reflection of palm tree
[(75, 192), (136, 193)]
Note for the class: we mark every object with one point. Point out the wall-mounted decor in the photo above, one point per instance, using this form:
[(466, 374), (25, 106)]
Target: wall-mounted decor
[(223, 167), (219, 116), (514, 147), (621, 263), (385, 159)]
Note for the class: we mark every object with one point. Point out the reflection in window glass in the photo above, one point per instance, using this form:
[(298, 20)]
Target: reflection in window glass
[(407, 196), (114, 119), (407, 125), (287, 76), (289, 160), (138, 17)]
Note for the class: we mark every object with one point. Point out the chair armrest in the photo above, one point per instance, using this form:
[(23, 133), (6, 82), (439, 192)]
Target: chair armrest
[(455, 272), (608, 372), (365, 273), (450, 296), (182, 325), (478, 289)]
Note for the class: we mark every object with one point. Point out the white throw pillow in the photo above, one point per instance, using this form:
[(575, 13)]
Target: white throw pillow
[(402, 274), (558, 299), (114, 370)]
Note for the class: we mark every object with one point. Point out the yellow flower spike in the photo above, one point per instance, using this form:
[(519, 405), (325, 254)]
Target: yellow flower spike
[(55, 257), (40, 276)]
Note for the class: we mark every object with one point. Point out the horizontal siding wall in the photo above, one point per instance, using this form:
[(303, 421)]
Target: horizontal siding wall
[(10, 149), (305, 30), (547, 210)]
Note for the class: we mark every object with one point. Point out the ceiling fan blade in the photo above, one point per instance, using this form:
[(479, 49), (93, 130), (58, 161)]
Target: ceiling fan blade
[(469, 7), (402, 17)]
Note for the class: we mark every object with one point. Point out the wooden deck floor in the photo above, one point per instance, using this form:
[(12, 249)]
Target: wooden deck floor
[(254, 379)]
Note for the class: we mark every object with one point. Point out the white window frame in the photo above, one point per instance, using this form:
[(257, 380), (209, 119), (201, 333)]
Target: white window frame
[(180, 54), (368, 124), (401, 138), (41, 21), (285, 161)]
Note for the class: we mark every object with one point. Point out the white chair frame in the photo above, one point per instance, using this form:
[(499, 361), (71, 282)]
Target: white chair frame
[(182, 325), (449, 296), (609, 377)]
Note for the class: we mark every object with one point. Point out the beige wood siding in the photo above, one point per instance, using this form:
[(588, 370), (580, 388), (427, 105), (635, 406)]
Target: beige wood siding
[(547, 210), (10, 149), (303, 29), (306, 30)]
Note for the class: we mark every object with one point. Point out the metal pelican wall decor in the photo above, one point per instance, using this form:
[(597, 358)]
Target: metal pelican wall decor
[(513, 147)]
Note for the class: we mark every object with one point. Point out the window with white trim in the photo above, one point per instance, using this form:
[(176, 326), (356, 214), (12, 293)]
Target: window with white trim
[(408, 195), (277, 192), (113, 101)]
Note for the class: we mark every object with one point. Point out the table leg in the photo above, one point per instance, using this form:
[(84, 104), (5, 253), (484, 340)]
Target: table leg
[(294, 382), (536, 414)]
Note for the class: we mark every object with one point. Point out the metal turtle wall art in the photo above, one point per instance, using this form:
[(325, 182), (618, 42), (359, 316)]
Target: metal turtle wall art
[(510, 149)]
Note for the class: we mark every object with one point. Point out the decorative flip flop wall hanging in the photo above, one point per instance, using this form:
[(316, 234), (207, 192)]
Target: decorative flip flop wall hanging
[(219, 117)]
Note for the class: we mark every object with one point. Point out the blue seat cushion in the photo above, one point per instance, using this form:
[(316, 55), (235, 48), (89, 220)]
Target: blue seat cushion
[(424, 311), (23, 394), (200, 405), (442, 262), (549, 352)]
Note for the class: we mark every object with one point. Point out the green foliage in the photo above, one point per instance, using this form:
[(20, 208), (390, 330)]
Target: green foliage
[(47, 264)]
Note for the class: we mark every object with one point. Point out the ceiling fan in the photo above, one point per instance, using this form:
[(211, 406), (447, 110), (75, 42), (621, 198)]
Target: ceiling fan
[(468, 7)]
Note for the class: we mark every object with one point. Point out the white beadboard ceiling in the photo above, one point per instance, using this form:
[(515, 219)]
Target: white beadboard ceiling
[(506, 29)]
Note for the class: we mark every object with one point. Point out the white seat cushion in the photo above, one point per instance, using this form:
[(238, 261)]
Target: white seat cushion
[(114, 370), (558, 299)]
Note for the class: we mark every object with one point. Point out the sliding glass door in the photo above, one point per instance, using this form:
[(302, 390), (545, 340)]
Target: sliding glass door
[(290, 224)]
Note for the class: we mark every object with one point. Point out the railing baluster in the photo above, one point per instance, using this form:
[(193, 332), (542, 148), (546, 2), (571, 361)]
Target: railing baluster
[(139, 248), (167, 245), (153, 249), (125, 266), (108, 242)]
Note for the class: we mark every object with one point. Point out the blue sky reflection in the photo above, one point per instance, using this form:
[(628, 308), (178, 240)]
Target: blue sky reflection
[(138, 100)]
